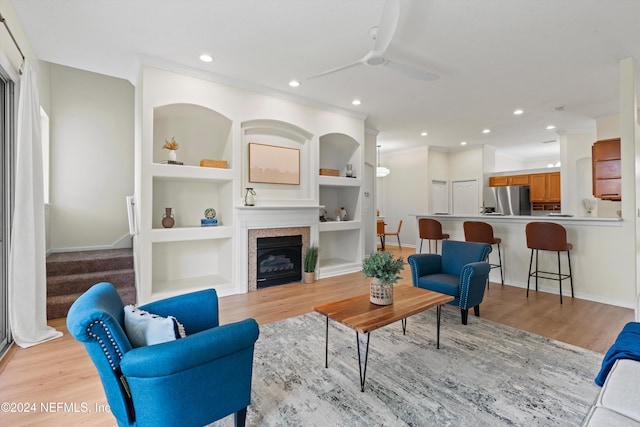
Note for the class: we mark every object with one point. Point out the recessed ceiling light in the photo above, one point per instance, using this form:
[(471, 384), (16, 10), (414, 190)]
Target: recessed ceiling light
[(206, 58), (294, 83), (463, 143), (550, 127), (518, 112), (558, 164), (356, 102), (550, 165), (486, 131), (424, 134)]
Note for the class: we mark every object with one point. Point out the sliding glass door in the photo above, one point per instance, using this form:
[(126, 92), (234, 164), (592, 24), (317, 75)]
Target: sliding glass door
[(7, 128)]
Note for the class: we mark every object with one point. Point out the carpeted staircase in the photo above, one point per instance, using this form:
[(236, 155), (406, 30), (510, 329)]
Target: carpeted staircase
[(69, 274)]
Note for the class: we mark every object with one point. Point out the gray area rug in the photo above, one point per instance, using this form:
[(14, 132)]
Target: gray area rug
[(484, 374)]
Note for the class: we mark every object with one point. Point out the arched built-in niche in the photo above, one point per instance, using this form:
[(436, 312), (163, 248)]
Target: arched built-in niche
[(284, 135), (337, 150), (202, 133)]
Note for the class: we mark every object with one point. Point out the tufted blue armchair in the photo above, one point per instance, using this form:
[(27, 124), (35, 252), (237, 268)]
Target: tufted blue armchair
[(190, 381), (461, 271)]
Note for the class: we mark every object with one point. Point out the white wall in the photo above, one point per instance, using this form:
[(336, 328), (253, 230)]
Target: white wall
[(576, 183), (92, 158), (405, 191), (505, 163)]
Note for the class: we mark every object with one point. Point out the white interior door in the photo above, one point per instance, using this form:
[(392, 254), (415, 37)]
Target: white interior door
[(439, 197), (465, 197)]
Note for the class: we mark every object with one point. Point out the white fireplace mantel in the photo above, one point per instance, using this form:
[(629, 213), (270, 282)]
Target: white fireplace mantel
[(277, 216)]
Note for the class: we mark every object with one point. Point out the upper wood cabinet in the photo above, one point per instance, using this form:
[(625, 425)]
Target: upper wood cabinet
[(545, 187), (605, 155), (502, 181)]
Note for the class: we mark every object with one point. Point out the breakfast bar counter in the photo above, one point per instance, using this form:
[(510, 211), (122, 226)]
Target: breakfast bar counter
[(602, 259)]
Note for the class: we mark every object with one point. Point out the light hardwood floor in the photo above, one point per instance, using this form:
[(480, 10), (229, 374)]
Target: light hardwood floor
[(61, 386)]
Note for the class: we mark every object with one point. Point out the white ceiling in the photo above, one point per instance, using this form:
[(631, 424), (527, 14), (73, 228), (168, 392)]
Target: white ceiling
[(492, 56)]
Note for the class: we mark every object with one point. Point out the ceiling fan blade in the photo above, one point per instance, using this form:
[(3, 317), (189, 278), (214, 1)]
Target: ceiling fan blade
[(410, 71), (387, 27), (334, 70)]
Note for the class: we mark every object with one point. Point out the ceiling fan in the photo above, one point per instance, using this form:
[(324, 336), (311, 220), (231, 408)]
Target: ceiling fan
[(382, 36)]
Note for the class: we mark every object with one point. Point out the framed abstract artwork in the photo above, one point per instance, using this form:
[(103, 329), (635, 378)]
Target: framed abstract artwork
[(274, 165)]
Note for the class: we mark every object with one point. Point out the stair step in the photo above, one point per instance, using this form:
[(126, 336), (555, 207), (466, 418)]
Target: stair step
[(70, 274), (58, 306), (61, 285), (65, 263)]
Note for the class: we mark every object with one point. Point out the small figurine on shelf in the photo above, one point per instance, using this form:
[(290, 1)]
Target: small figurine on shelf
[(343, 214), (209, 219), (172, 146)]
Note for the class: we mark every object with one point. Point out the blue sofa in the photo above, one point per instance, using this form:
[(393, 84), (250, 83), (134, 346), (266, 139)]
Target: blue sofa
[(191, 381), (461, 271)]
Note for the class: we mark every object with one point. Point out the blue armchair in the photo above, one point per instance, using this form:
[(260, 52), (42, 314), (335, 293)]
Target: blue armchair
[(191, 381), (461, 271)]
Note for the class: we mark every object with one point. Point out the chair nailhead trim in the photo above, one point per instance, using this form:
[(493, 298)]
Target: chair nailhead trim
[(102, 343), (465, 279)]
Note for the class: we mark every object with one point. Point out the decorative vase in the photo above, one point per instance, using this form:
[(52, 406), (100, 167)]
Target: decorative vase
[(309, 276), (172, 155), (249, 199), (167, 219), (380, 293)]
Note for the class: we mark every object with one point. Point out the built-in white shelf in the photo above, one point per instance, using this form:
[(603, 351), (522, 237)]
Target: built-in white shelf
[(339, 225), (191, 233), (182, 172), (339, 250), (169, 288), (337, 266), (338, 181), (185, 265), (218, 122)]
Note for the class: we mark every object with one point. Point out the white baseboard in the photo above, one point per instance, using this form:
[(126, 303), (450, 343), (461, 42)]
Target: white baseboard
[(124, 242)]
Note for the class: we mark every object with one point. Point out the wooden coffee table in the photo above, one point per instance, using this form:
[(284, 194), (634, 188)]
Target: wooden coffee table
[(360, 314)]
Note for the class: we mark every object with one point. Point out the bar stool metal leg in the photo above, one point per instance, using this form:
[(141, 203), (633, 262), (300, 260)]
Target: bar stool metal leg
[(537, 269), (559, 276), (570, 273), (529, 277), (500, 263)]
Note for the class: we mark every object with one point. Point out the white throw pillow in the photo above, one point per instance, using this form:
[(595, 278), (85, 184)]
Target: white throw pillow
[(144, 328)]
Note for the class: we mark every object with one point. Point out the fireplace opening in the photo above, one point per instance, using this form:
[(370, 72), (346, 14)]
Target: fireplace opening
[(279, 260)]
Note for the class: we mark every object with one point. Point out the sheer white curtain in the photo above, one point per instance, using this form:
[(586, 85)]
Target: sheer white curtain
[(27, 264)]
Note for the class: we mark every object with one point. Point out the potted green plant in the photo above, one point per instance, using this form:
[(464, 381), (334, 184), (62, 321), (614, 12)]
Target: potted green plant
[(384, 269), (310, 262)]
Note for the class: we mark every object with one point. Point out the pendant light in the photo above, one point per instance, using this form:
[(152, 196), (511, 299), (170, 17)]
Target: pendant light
[(381, 172)]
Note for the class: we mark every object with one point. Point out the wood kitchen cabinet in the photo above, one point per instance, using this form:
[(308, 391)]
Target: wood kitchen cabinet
[(502, 181), (545, 187), (606, 172)]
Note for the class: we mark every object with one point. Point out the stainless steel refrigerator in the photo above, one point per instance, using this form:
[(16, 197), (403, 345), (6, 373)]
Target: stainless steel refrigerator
[(511, 200)]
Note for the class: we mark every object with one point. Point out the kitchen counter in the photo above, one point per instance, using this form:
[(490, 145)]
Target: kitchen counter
[(561, 219), (602, 259)]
